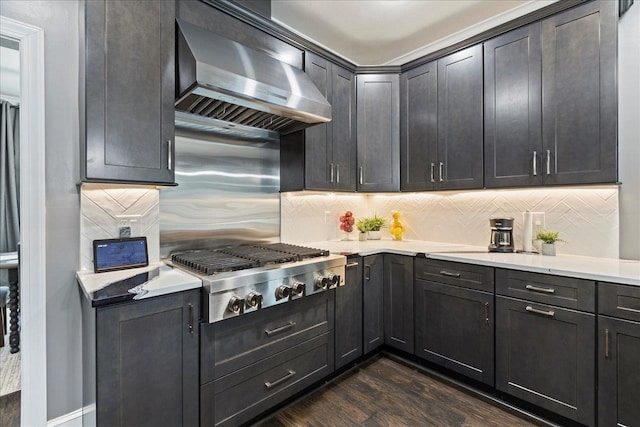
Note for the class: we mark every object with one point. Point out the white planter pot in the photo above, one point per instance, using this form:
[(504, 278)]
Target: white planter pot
[(549, 249), (374, 235), (362, 237)]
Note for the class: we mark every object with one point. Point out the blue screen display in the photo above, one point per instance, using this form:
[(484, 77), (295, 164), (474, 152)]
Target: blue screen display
[(120, 254)]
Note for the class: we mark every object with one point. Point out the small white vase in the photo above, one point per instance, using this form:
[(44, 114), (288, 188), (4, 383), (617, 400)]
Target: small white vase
[(362, 236), (549, 249), (374, 235)]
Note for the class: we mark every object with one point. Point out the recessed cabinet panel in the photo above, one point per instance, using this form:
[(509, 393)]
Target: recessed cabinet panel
[(129, 79), (513, 103), (580, 95), (348, 324), (343, 104), (378, 132), (373, 302), (398, 302)]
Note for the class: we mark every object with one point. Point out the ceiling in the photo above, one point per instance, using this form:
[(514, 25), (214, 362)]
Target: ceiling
[(393, 32)]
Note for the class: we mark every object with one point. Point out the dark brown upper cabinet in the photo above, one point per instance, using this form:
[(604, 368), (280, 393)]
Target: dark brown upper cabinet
[(127, 86)]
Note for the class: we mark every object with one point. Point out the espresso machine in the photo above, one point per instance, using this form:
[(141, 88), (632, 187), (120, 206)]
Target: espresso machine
[(501, 235)]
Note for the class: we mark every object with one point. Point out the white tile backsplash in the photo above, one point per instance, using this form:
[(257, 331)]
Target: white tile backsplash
[(102, 207), (586, 216)]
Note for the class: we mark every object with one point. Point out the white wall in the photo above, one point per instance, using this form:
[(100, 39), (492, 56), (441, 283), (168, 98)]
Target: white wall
[(629, 131), (586, 216)]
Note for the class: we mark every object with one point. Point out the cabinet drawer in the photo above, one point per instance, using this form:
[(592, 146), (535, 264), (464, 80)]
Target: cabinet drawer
[(455, 273), (236, 398), (619, 301), (232, 344), (561, 291)]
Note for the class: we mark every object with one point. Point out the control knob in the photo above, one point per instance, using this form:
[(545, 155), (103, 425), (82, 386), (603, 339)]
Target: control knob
[(322, 282), (253, 299), (283, 291), (298, 288), (236, 304), (334, 280)]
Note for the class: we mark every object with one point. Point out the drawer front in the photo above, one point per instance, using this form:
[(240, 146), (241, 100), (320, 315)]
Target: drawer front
[(619, 301), (545, 355), (232, 344), (455, 273), (237, 398), (561, 291)]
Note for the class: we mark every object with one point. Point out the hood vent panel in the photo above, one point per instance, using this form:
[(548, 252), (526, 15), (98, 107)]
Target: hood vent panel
[(225, 81)]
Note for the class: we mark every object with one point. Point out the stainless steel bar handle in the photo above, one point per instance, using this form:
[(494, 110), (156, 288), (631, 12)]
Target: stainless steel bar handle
[(538, 289), (538, 311), (338, 173), (283, 328), (331, 173), (169, 155), (447, 273), (535, 163), (441, 171), (548, 162), (361, 177), (367, 274), (486, 313), (352, 264), (606, 343), (191, 318), (279, 381), (433, 172)]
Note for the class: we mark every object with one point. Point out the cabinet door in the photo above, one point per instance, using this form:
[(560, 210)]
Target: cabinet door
[(129, 83), (545, 355), (348, 325), (147, 358), (318, 149), (579, 109), (460, 140), (618, 373), (419, 127), (378, 132), (343, 137), (512, 108), (372, 302), (454, 328), (398, 302)]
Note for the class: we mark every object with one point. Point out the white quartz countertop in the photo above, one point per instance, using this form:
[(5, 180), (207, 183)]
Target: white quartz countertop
[(169, 280), (601, 269)]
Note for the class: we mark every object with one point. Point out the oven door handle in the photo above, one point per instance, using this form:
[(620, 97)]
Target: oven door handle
[(282, 328)]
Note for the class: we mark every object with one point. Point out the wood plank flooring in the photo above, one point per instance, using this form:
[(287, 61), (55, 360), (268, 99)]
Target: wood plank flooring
[(10, 410), (386, 393)]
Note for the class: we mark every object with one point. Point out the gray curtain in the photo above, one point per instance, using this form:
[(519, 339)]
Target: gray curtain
[(9, 177)]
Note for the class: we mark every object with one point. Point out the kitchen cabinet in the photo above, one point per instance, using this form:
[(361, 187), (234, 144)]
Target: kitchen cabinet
[(460, 141), (398, 302), (513, 108), (253, 362), (348, 323), (545, 353), (127, 91), (329, 159), (454, 317), (579, 92), (146, 354), (618, 355), (378, 134), (373, 302), (419, 127)]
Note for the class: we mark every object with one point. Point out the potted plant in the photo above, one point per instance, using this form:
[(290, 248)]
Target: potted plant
[(374, 224), (549, 239), (363, 227)]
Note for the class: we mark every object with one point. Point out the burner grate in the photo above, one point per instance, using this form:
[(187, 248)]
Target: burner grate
[(261, 255), (300, 251), (210, 262)]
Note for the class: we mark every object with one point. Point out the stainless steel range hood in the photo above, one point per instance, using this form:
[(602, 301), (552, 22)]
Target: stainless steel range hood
[(230, 85)]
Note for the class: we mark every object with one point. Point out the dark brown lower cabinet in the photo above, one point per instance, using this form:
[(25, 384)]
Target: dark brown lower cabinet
[(373, 302), (147, 361), (545, 356), (348, 323), (618, 372), (398, 301), (454, 328)]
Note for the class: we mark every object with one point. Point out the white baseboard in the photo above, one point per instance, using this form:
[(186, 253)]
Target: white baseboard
[(72, 419)]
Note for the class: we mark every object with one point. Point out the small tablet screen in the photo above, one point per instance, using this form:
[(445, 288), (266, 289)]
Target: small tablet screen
[(118, 254)]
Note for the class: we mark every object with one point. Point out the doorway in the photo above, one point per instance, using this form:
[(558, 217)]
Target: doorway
[(31, 176)]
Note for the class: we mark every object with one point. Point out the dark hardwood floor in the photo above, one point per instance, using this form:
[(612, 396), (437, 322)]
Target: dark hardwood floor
[(10, 410), (386, 393)]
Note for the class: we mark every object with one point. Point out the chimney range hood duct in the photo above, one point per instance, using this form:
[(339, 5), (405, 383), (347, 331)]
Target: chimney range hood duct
[(226, 86)]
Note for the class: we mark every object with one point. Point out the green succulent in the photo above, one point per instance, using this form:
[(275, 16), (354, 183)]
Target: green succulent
[(372, 223), (549, 236)]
